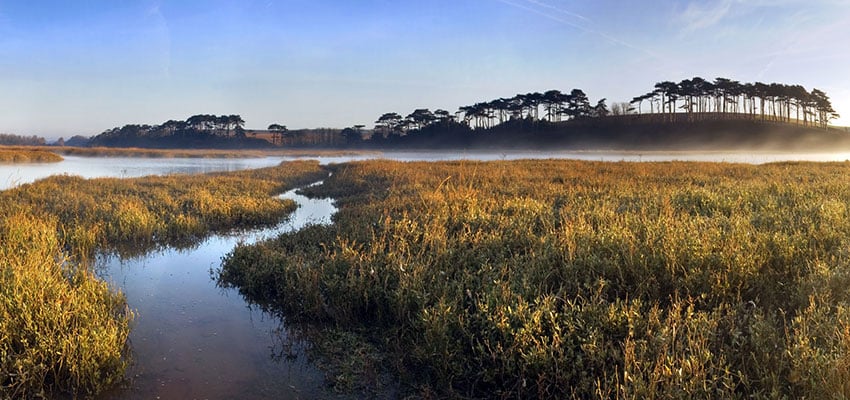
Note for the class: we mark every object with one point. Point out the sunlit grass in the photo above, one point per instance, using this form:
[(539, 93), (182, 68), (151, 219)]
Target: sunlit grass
[(134, 215), (61, 329), (156, 153), (19, 155), (197, 153), (568, 279)]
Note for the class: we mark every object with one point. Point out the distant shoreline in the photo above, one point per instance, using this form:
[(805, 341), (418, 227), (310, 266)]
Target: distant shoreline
[(637, 133)]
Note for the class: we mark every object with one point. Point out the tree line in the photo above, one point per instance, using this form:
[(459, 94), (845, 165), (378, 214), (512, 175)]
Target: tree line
[(197, 130), (696, 98), (218, 125), (549, 117), (282, 136), (551, 106), (8, 139), (775, 101)]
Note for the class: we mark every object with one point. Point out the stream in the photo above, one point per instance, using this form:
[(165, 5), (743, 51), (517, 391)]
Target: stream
[(192, 339)]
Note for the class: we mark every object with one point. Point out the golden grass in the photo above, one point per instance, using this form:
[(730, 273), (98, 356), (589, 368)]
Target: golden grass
[(133, 215), (61, 329), (156, 153), (197, 153), (569, 279), (19, 155)]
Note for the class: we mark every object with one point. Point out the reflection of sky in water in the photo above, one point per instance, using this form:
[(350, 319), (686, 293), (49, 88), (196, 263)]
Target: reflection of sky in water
[(191, 339), (125, 167), (91, 167)]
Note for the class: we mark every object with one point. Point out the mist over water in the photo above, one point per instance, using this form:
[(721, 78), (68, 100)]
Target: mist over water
[(127, 167), (192, 339)]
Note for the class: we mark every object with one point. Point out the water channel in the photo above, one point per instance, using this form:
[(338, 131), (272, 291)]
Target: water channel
[(191, 339)]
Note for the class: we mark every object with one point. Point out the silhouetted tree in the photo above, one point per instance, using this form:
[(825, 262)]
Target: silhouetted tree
[(553, 101), (578, 105), (421, 118), (600, 110), (278, 131), (388, 124)]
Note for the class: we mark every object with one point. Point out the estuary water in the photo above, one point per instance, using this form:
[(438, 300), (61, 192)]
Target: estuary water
[(126, 167), (192, 339)]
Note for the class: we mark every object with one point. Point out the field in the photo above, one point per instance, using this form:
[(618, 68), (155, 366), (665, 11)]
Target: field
[(192, 153), (569, 279), (62, 330), (542, 279), (27, 154), (17, 154)]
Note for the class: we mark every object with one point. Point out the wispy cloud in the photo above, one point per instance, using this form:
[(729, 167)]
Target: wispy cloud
[(811, 43), (576, 21), (536, 10), (556, 9), (698, 15)]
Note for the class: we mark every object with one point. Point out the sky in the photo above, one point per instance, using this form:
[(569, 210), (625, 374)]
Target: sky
[(82, 67)]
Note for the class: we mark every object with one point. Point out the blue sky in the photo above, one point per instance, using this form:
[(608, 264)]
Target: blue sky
[(86, 66)]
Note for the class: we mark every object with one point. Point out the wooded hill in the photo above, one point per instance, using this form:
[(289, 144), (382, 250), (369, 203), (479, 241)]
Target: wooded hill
[(693, 113), (197, 131)]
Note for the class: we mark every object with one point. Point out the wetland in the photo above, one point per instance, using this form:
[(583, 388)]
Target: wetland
[(444, 277)]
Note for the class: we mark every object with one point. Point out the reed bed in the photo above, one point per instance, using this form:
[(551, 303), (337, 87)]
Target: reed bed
[(63, 331), (134, 215), (199, 153), (156, 153), (570, 279), (20, 155)]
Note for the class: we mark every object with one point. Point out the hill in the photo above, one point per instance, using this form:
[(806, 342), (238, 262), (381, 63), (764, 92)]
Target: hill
[(627, 132), (196, 132)]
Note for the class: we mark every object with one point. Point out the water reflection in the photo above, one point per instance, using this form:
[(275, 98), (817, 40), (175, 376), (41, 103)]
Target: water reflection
[(191, 339), (91, 167), (126, 167)]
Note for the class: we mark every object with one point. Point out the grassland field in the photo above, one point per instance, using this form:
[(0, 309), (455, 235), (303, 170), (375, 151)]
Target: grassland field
[(571, 279), (195, 153), (532, 279), (14, 154), (25, 154)]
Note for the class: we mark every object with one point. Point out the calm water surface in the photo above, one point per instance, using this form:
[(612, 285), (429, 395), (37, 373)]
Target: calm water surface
[(191, 339), (125, 167), (92, 167)]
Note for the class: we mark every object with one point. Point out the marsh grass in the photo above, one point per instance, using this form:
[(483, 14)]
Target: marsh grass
[(20, 155), (155, 153), (63, 331), (569, 279), (131, 216), (196, 153)]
